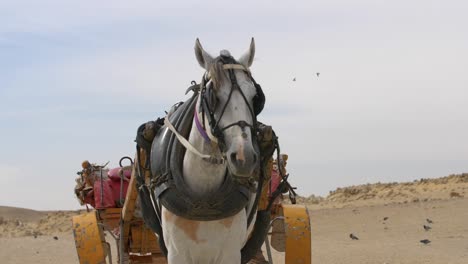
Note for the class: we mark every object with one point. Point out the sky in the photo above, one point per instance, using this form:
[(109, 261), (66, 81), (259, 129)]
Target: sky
[(78, 77)]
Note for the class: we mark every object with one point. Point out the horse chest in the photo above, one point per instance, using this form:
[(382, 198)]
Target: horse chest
[(200, 176), (191, 241)]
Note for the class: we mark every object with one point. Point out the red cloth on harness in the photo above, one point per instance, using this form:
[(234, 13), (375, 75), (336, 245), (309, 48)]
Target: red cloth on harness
[(275, 181), (110, 193), (106, 200), (116, 189), (114, 173), (110, 189)]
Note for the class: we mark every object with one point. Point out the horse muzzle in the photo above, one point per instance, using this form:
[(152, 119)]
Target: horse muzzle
[(242, 159)]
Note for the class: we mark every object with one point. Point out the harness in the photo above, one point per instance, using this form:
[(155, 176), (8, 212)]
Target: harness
[(167, 180), (167, 187)]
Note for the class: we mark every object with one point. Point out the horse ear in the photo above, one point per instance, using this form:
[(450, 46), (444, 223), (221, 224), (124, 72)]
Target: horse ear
[(248, 57), (203, 58)]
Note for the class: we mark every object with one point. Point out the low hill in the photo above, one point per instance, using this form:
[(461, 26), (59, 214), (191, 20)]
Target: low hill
[(15, 222), (453, 186), (21, 214)]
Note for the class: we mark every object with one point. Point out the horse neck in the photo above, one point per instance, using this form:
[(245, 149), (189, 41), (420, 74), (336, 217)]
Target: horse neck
[(201, 176)]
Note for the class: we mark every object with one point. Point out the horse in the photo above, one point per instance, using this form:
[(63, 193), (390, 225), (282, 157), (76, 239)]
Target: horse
[(206, 167)]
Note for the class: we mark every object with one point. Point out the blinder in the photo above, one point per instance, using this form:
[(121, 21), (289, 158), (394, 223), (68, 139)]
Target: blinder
[(210, 96), (259, 99)]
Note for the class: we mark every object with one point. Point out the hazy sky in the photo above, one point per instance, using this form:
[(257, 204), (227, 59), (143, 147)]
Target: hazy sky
[(78, 77)]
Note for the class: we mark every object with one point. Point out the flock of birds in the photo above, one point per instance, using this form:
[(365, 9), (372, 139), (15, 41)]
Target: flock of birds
[(426, 228), (54, 237), (317, 73)]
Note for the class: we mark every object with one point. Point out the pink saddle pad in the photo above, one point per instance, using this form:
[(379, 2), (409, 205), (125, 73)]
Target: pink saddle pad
[(115, 175), (103, 194), (275, 181)]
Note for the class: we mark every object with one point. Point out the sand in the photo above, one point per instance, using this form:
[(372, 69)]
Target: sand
[(395, 240), (358, 209)]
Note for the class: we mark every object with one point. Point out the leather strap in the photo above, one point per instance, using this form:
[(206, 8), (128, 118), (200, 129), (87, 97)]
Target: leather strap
[(190, 147), (235, 67)]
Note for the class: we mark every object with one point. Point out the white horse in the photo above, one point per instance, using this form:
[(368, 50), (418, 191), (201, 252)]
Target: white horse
[(225, 113)]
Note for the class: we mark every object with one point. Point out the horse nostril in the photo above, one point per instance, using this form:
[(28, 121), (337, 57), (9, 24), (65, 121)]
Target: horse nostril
[(233, 156)]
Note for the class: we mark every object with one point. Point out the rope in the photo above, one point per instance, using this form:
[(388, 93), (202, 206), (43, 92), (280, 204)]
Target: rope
[(189, 146)]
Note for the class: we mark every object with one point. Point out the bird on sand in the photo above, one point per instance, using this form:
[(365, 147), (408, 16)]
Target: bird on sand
[(56, 238), (429, 221), (427, 228), (353, 237), (385, 218), (425, 241)]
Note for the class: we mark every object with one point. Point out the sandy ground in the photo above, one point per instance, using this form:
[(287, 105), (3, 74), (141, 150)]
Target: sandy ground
[(42, 250), (391, 241), (395, 240)]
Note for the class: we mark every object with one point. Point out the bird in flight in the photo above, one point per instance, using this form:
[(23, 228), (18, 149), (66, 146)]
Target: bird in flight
[(318, 74), (294, 79)]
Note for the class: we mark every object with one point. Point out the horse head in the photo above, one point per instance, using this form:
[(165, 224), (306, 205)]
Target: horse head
[(230, 100)]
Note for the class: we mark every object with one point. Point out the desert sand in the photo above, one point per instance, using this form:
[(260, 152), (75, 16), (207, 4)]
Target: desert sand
[(27, 236)]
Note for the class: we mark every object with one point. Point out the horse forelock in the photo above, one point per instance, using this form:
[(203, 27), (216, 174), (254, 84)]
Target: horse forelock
[(217, 73)]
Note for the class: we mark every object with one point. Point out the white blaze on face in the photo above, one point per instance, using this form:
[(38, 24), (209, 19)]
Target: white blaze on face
[(240, 152)]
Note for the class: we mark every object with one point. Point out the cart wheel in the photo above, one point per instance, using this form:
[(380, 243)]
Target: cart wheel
[(297, 234), (89, 239)]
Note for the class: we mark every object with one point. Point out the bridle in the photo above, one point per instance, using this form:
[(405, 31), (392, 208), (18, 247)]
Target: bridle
[(207, 106)]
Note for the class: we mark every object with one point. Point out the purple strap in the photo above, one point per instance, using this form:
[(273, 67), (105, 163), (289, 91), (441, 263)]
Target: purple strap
[(199, 126)]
